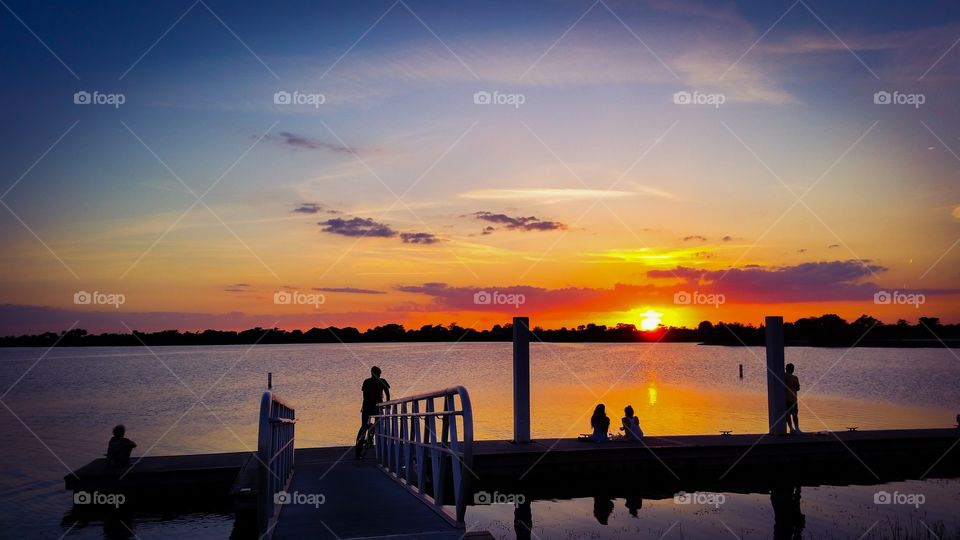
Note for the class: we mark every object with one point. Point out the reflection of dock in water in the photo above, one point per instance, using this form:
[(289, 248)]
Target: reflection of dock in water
[(427, 468)]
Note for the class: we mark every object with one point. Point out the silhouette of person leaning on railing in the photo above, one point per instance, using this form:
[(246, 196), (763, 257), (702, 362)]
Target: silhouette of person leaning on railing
[(119, 448)]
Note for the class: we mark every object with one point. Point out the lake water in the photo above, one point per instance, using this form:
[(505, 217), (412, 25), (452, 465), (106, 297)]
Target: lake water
[(61, 404)]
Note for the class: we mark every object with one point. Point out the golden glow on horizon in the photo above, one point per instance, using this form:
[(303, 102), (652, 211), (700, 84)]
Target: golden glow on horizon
[(651, 320)]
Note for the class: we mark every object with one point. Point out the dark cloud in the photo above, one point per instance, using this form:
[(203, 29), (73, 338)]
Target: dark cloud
[(727, 238), (802, 250), (831, 246), (302, 142), (488, 230), (695, 237), (357, 227), (807, 282), (348, 290), (308, 208), (237, 287), (528, 223), (419, 238)]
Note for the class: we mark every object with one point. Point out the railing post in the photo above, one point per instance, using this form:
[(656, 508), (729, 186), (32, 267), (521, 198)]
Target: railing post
[(521, 379), (776, 389)]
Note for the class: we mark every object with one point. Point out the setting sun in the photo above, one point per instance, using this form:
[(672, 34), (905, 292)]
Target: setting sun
[(651, 320)]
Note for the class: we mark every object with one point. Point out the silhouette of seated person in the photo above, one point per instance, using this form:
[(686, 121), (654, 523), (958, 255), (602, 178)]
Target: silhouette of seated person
[(631, 425), (600, 424), (119, 448)]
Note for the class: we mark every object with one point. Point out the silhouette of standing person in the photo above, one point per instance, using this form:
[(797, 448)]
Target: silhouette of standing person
[(793, 388), (373, 389), (119, 448)]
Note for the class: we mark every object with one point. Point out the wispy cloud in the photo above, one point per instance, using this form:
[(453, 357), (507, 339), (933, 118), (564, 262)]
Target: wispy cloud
[(419, 238), (523, 223), (357, 227), (303, 142), (348, 290)]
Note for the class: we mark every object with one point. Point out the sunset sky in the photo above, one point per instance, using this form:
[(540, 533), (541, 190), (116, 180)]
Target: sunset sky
[(587, 188)]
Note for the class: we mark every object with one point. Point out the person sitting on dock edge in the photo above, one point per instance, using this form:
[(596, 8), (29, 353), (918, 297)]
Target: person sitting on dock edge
[(373, 390), (631, 425), (119, 448), (793, 389), (600, 424)]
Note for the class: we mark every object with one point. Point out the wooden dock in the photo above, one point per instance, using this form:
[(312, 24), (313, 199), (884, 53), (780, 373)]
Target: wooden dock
[(360, 501)]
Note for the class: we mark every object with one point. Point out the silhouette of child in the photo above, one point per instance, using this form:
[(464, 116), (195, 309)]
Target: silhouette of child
[(600, 424), (631, 425), (119, 448)]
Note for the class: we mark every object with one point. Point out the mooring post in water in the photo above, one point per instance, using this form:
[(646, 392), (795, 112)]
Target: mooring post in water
[(776, 390), (269, 380), (521, 379), (741, 371)]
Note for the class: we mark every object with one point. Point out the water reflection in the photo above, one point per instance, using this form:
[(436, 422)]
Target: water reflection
[(788, 519), (523, 520), (602, 508), (633, 503)]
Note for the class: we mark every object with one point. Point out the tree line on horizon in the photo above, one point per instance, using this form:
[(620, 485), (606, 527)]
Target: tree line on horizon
[(824, 331)]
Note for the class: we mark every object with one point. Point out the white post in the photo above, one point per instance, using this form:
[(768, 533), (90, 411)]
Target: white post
[(776, 390), (521, 379)]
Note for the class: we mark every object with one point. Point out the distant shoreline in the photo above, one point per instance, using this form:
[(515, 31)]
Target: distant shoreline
[(823, 331)]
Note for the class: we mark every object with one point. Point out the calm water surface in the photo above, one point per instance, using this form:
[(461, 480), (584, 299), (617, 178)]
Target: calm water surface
[(62, 404)]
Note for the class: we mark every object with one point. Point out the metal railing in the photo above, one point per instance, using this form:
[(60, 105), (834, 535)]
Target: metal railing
[(275, 453), (411, 450)]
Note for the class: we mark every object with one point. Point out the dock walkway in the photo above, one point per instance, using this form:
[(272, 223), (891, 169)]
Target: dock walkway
[(359, 501)]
